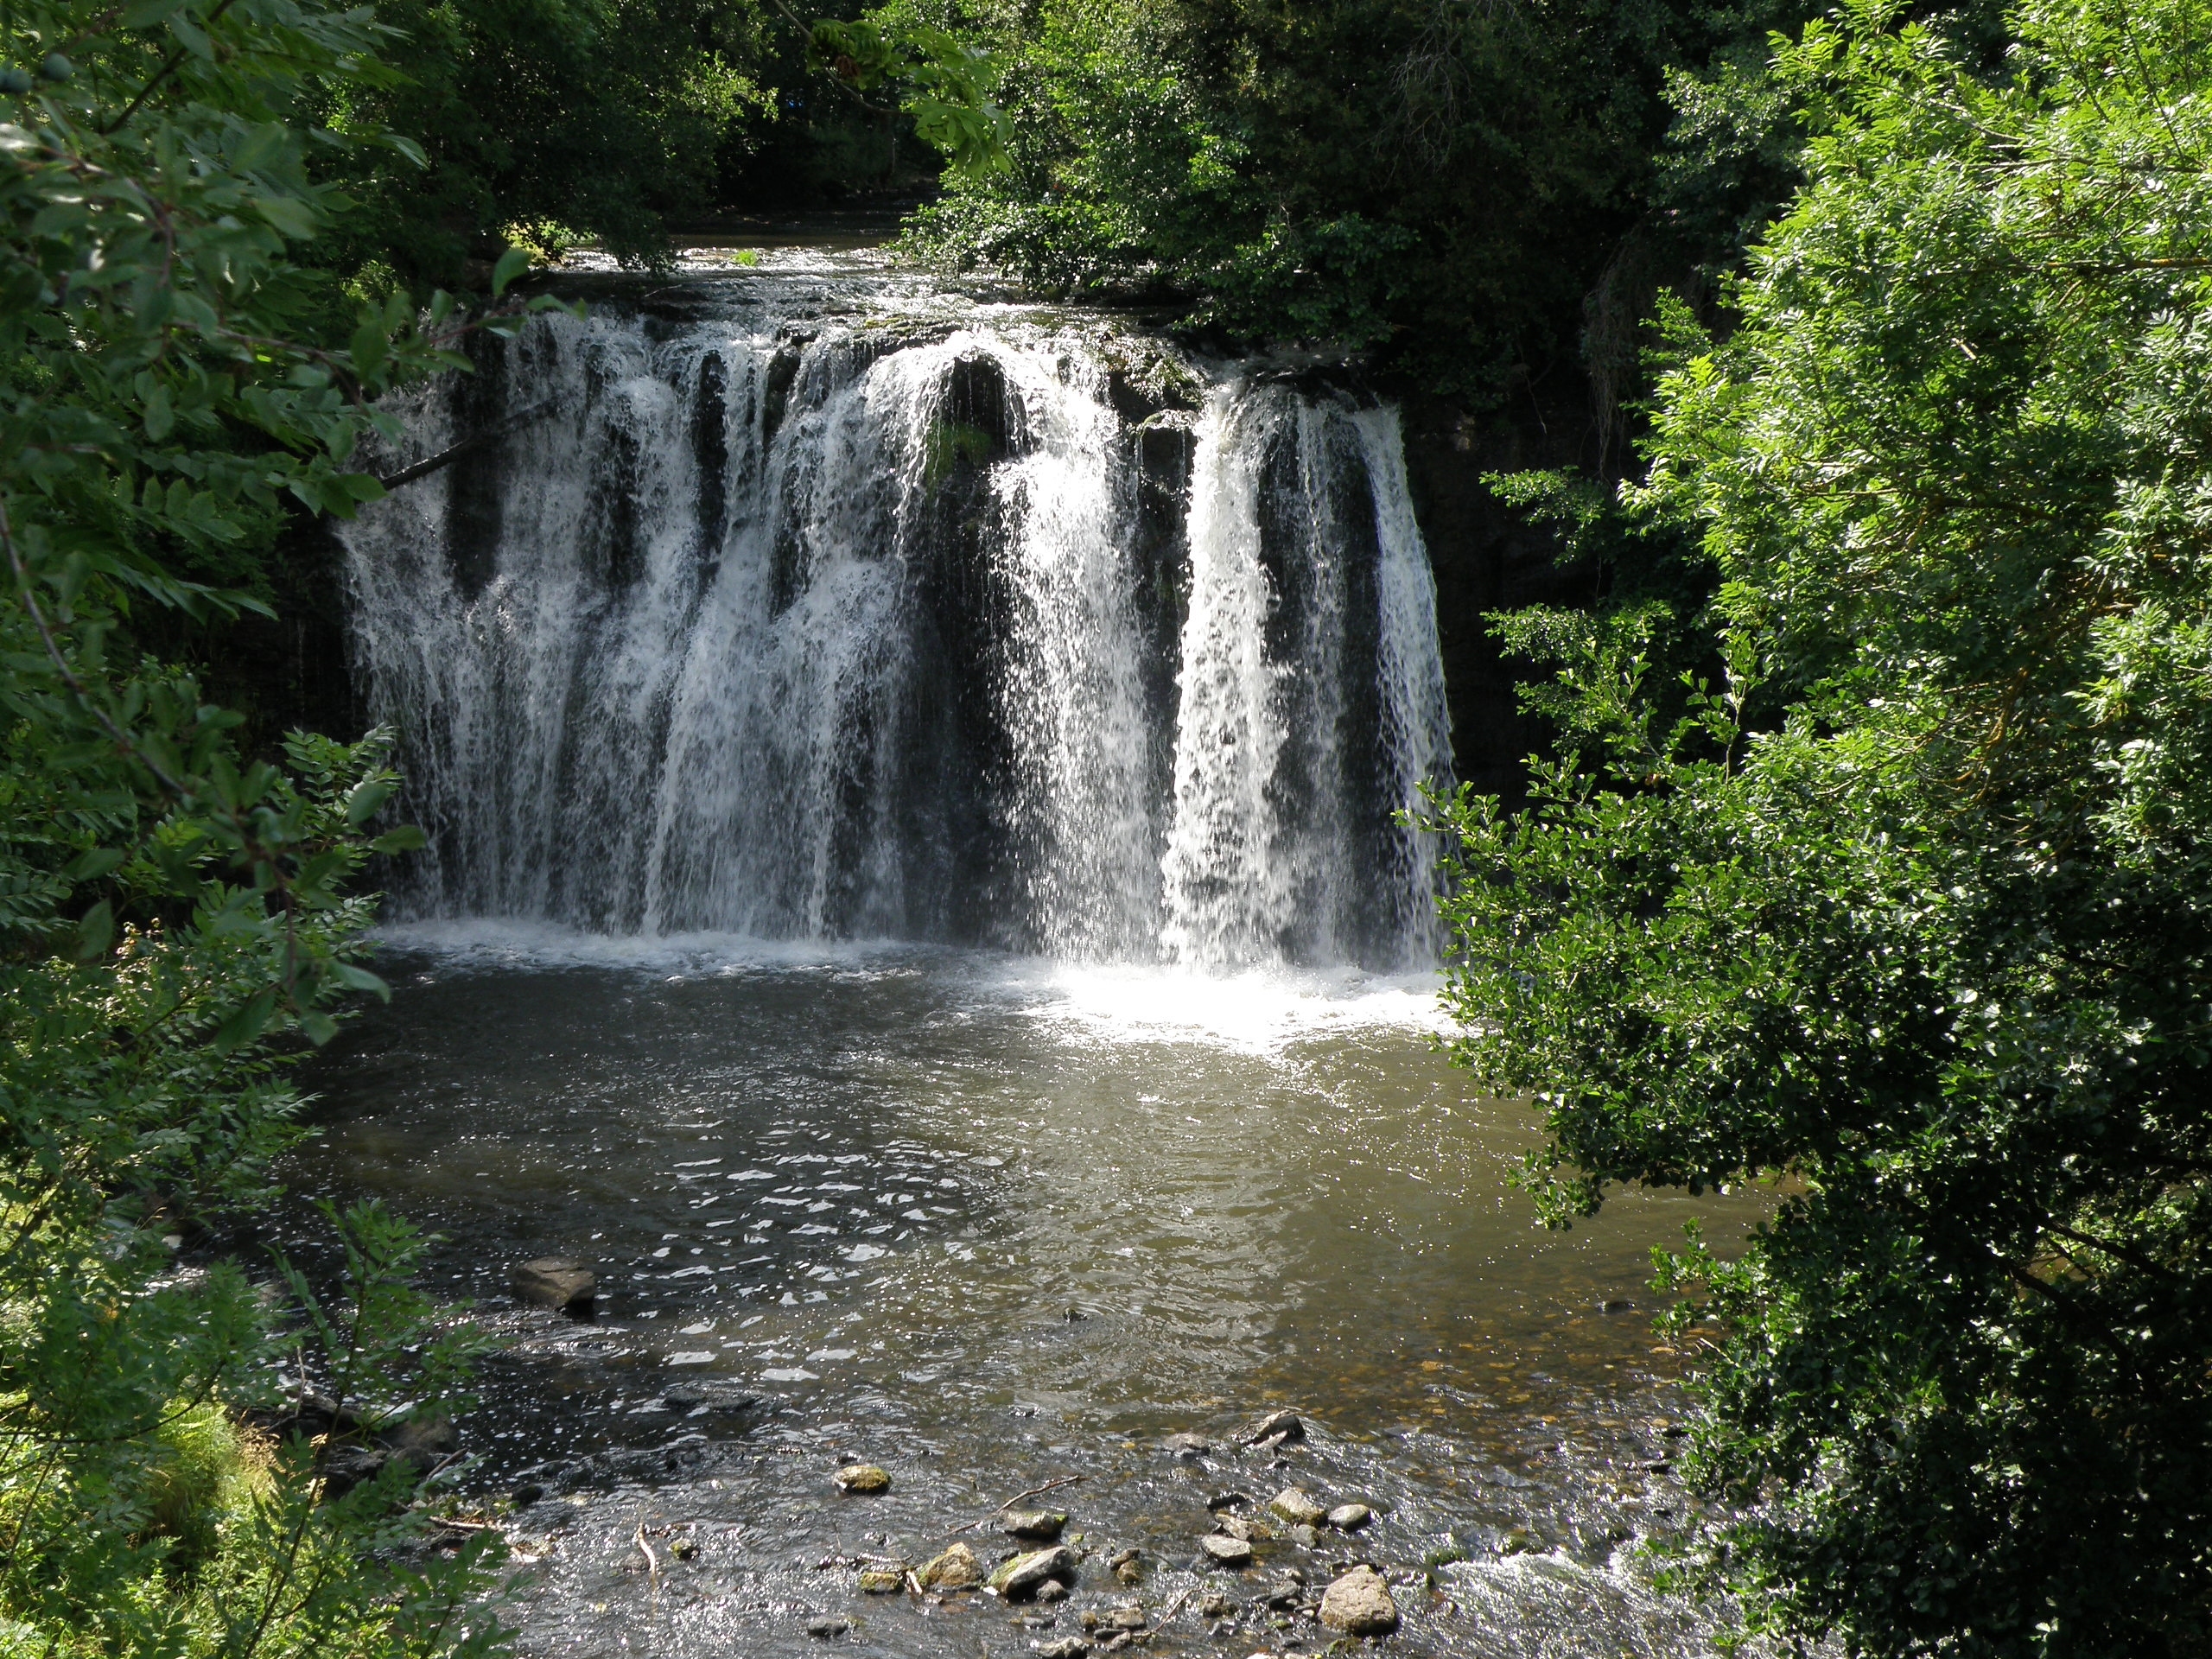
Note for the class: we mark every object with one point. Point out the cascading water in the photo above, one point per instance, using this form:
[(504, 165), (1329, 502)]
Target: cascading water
[(877, 626)]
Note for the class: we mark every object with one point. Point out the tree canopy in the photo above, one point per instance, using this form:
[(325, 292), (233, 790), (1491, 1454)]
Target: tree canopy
[(1904, 910)]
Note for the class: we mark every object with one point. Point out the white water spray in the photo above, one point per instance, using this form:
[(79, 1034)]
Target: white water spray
[(807, 631)]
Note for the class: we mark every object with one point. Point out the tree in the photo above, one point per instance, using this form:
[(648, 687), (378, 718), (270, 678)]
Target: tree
[(175, 917), (1910, 912), (1441, 184)]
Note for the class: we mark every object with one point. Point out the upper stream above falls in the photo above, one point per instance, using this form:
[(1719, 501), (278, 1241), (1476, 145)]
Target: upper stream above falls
[(918, 901)]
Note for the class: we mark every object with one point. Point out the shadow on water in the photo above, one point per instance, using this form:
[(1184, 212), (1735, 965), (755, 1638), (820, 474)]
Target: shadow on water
[(990, 1223)]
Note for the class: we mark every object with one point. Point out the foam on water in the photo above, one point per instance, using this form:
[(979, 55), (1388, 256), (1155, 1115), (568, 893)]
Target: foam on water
[(1254, 1011)]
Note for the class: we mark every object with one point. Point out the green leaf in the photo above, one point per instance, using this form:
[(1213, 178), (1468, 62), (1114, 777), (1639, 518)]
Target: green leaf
[(372, 347), (292, 217), (246, 1024), (512, 263), (407, 838), (96, 931)]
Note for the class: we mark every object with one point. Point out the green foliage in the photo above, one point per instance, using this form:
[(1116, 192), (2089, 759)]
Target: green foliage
[(1441, 184), (546, 122), (1911, 913), (176, 918), (946, 82)]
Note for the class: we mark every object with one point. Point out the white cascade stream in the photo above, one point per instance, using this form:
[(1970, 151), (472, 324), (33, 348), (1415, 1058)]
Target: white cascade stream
[(873, 626)]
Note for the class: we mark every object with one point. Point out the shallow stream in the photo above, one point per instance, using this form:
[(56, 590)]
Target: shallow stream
[(991, 1224)]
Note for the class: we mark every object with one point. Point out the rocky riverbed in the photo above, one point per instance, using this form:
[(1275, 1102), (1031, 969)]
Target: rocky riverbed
[(1196, 1316)]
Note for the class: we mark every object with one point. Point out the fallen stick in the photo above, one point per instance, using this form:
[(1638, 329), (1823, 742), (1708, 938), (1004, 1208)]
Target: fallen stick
[(653, 1561), (1020, 1497)]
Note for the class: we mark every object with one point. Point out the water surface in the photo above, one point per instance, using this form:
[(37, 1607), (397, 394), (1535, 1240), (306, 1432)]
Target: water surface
[(992, 1223)]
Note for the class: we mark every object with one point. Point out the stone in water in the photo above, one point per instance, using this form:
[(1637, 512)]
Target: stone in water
[(862, 1479), (554, 1282), (1025, 1575), (1280, 1427), (1296, 1507), (1229, 1552), (1359, 1604), (957, 1569), (1040, 1524)]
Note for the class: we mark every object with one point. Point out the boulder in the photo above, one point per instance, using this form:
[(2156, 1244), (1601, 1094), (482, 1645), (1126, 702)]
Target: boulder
[(1297, 1507), (422, 1442), (1025, 1575), (1360, 1604), (957, 1569), (1042, 1525), (554, 1282), (1068, 1646), (716, 1397), (1276, 1428), (1225, 1551), (862, 1479), (883, 1581), (1349, 1517)]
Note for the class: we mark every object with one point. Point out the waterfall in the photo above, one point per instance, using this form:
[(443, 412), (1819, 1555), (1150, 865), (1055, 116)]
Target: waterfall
[(807, 620)]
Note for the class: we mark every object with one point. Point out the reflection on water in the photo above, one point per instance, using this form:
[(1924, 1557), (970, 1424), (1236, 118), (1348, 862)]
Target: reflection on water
[(990, 1223)]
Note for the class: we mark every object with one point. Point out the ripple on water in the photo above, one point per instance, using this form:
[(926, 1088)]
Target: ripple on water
[(988, 1223)]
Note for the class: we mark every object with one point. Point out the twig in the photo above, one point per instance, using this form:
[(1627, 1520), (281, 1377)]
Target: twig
[(1176, 1606), (653, 1561), (1020, 1497)]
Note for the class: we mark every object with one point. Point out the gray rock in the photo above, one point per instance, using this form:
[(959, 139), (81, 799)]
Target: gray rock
[(1043, 1525), (554, 1282), (828, 1627), (1304, 1537), (1052, 1590), (957, 1569), (1068, 1646), (862, 1479), (1360, 1604), (421, 1442), (1297, 1507), (1277, 1428), (1025, 1575), (1349, 1517), (1229, 1552), (715, 1397), (1189, 1447)]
